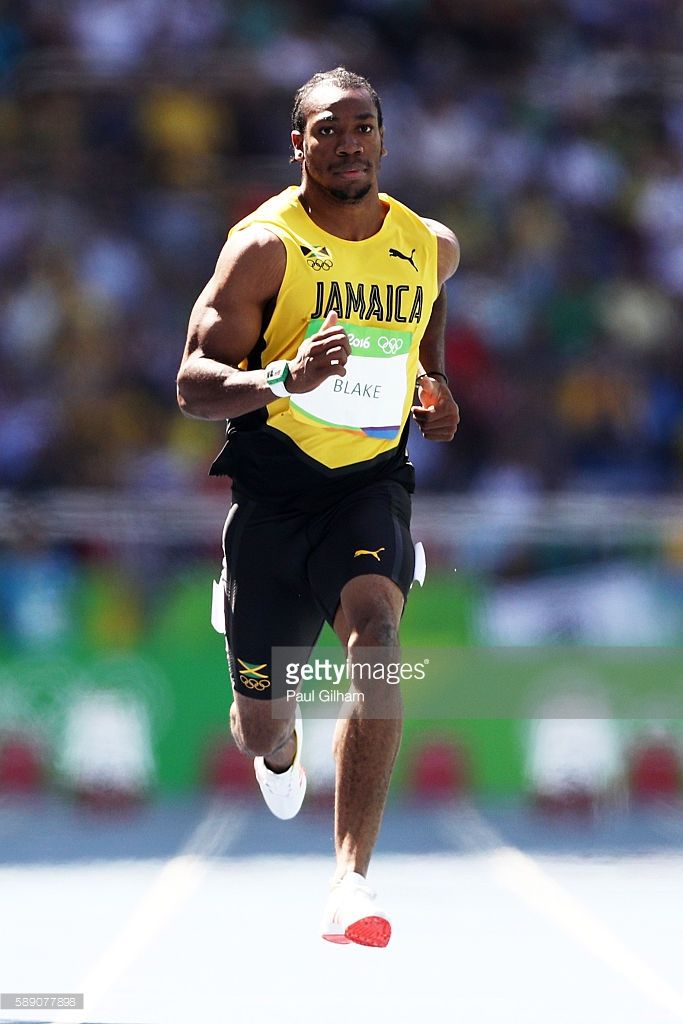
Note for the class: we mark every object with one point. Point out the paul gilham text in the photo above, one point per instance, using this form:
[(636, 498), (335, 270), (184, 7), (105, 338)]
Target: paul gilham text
[(327, 697)]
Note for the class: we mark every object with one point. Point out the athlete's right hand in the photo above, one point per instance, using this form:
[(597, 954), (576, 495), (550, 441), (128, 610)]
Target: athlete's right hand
[(322, 355)]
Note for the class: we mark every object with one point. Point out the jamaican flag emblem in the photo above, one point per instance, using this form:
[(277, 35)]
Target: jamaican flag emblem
[(253, 676), (318, 257)]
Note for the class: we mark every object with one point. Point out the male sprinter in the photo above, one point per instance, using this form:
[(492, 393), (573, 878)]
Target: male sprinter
[(326, 306)]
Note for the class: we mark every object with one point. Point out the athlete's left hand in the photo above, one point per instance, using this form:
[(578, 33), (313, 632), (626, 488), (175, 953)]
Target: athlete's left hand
[(438, 415)]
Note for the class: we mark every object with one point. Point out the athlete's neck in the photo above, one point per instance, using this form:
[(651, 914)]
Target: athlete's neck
[(353, 220)]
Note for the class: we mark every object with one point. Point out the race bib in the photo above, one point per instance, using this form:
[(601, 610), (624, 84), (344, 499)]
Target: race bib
[(372, 395)]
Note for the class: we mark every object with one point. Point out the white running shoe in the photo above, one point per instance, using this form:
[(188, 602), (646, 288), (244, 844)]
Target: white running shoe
[(352, 915), (284, 791)]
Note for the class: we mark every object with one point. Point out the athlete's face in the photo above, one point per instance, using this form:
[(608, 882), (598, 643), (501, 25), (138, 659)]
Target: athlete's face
[(341, 145)]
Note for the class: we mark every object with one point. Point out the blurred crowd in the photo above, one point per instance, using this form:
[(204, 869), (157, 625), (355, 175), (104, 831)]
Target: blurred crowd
[(548, 134)]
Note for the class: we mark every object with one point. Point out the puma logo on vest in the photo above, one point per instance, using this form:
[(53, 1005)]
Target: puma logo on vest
[(401, 256)]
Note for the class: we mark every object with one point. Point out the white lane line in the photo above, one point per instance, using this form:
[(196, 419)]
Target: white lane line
[(174, 884), (522, 875)]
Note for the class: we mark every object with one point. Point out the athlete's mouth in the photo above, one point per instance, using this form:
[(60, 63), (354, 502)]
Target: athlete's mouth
[(351, 170)]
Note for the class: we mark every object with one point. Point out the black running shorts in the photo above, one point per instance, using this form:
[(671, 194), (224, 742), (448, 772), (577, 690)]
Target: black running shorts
[(285, 570)]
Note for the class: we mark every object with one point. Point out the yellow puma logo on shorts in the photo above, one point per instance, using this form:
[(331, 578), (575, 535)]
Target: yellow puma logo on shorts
[(375, 554)]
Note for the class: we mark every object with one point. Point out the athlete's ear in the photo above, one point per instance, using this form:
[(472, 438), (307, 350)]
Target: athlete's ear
[(297, 146), (384, 148)]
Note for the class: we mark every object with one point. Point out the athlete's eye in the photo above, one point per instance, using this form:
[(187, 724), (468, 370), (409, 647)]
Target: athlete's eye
[(326, 129), (365, 128)]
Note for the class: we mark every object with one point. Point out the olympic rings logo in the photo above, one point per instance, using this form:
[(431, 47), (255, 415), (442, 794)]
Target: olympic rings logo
[(390, 346), (255, 684), (316, 263)]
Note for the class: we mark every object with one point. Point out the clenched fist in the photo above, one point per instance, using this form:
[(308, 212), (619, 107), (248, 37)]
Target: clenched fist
[(322, 355), (438, 415)]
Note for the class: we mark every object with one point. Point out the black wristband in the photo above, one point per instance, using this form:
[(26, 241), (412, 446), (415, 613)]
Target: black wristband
[(432, 373)]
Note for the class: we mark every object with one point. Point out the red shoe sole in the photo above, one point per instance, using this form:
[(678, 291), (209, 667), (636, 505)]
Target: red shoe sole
[(369, 931)]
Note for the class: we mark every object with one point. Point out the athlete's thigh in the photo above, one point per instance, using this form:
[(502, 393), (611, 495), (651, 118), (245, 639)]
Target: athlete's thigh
[(268, 600), (367, 534)]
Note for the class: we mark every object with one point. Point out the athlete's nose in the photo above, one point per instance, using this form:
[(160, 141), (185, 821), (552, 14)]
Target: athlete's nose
[(351, 142)]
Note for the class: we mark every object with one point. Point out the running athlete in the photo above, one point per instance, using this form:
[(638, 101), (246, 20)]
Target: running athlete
[(326, 308)]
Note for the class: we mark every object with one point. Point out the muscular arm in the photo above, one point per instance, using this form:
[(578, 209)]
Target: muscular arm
[(224, 327), (226, 324), (438, 415), (432, 344)]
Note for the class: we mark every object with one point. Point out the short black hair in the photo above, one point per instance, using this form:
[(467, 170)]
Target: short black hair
[(338, 76)]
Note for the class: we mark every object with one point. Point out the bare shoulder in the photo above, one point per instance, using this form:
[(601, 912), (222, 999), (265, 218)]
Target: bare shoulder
[(226, 318), (252, 262), (448, 248)]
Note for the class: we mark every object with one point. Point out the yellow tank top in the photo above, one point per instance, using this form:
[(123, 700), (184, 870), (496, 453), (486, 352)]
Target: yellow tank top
[(382, 290)]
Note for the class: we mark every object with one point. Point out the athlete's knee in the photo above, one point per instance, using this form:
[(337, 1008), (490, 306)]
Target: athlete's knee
[(375, 628), (254, 729), (372, 611)]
